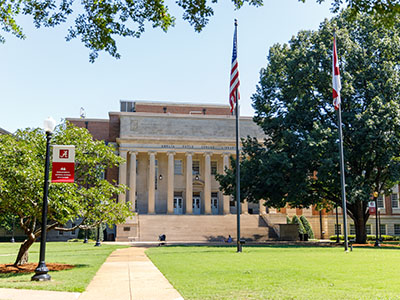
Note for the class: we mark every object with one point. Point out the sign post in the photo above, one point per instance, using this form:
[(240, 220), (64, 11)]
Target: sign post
[(371, 207), (63, 163)]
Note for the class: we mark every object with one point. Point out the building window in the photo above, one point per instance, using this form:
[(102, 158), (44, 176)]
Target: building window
[(196, 167), (156, 174), (381, 201), (382, 228), (368, 228), (60, 232), (214, 195), (338, 228), (395, 200), (73, 231), (232, 203), (127, 229), (352, 229), (397, 229), (214, 168), (178, 194), (178, 166), (127, 106)]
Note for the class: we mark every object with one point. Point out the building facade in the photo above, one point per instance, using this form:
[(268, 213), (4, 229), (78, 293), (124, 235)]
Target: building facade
[(172, 153)]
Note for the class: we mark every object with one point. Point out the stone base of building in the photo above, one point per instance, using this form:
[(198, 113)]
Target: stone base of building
[(199, 228)]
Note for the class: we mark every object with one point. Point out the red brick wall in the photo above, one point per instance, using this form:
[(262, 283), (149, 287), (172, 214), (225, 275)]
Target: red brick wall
[(99, 129), (113, 132), (112, 175), (182, 109)]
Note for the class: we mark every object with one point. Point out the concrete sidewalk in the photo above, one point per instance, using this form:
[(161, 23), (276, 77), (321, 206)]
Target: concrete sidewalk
[(127, 274)]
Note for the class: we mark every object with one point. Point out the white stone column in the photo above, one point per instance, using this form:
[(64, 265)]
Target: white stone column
[(207, 183), (189, 182), (170, 192), (122, 175), (132, 180), (151, 183), (245, 207), (261, 206), (225, 197)]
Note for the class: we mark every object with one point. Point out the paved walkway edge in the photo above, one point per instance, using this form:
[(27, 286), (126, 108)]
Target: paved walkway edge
[(128, 274)]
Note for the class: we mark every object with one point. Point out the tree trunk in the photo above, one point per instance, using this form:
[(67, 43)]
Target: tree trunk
[(360, 219), (361, 233), (22, 257)]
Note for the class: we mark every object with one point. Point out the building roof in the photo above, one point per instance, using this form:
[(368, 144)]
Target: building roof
[(3, 131)]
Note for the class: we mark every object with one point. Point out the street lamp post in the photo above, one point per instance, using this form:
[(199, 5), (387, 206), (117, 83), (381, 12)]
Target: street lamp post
[(13, 227), (377, 244), (379, 222), (86, 239), (41, 270), (337, 225), (83, 115), (98, 236)]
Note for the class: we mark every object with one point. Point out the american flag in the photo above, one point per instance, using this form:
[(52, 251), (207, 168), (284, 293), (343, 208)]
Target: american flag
[(234, 95), (336, 78)]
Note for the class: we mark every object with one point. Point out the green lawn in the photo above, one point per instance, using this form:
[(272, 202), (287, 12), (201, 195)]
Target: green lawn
[(85, 257), (280, 272)]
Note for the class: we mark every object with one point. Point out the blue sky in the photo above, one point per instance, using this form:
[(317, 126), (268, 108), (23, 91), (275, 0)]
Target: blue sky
[(46, 76)]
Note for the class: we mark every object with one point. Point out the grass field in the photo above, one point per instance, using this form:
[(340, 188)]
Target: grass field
[(280, 272), (85, 257)]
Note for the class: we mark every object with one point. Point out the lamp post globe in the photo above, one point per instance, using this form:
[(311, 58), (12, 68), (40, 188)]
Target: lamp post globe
[(49, 124), (41, 272)]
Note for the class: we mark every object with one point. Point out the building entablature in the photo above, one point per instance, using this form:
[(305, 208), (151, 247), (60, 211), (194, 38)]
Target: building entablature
[(187, 127)]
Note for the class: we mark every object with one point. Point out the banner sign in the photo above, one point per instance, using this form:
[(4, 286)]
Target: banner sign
[(63, 163), (372, 208)]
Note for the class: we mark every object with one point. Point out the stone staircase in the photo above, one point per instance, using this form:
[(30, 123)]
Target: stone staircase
[(202, 228)]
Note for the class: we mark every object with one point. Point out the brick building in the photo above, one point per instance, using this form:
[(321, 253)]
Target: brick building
[(172, 153)]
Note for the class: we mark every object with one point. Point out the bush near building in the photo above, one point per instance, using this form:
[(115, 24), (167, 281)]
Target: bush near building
[(370, 237), (296, 220), (307, 227)]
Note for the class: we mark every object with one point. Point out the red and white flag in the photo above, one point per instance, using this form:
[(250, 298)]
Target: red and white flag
[(336, 78), (234, 95)]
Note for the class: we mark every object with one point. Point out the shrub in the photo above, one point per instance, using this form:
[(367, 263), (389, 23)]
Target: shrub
[(370, 237), (307, 227), (92, 233), (288, 221), (296, 220)]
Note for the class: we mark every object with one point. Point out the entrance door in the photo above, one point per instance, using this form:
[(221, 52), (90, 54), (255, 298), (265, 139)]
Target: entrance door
[(178, 205), (214, 206), (196, 205)]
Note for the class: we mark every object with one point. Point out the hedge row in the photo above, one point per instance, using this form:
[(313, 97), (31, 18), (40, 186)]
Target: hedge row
[(370, 237)]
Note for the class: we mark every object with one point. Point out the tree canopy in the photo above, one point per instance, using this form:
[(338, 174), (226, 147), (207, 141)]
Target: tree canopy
[(98, 22), (298, 162), (384, 11), (89, 201)]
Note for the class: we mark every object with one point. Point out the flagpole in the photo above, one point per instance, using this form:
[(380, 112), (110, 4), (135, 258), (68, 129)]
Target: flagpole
[(239, 246), (238, 206), (342, 175)]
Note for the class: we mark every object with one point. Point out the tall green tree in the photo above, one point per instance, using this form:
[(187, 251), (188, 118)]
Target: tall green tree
[(298, 162), (89, 201)]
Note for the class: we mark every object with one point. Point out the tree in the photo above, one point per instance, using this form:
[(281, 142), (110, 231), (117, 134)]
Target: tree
[(307, 227), (100, 21), (298, 162), (296, 220), (385, 11), (91, 200)]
